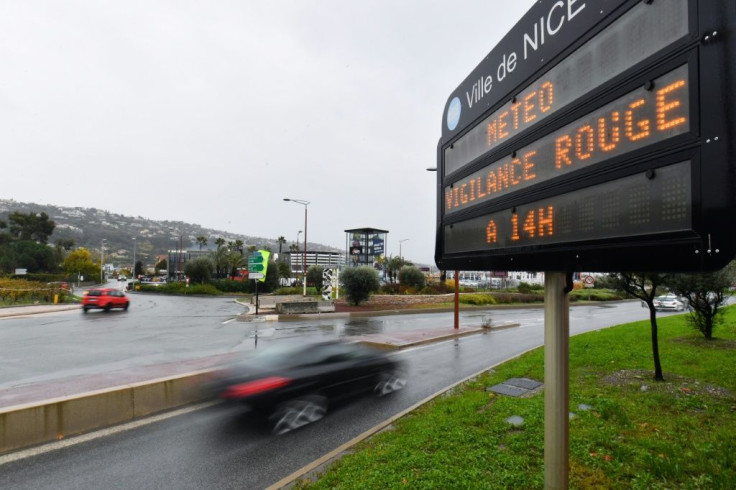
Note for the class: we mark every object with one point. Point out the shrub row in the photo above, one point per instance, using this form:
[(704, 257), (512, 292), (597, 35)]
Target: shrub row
[(181, 288)]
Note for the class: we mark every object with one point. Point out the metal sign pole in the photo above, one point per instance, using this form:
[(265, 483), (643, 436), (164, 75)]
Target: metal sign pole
[(256, 296), (556, 379), (456, 323)]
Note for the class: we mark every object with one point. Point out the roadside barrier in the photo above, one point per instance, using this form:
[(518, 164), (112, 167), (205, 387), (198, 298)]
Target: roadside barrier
[(27, 425)]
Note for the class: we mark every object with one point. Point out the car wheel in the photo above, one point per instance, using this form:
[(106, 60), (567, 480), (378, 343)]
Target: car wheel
[(298, 413), (108, 307), (126, 306), (85, 309), (389, 382)]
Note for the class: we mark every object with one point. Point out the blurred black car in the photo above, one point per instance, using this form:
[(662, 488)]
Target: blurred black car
[(294, 384)]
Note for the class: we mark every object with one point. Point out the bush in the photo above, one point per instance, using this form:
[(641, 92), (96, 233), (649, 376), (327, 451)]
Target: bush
[(588, 294), (230, 286), (526, 288), (390, 288), (436, 288), (477, 299), (411, 277), (509, 298), (181, 288), (314, 277), (199, 270), (359, 283)]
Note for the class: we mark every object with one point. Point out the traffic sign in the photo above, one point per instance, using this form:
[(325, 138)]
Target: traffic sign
[(258, 265), (609, 149)]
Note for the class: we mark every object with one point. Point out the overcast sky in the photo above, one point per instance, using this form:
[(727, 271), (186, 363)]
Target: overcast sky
[(211, 112)]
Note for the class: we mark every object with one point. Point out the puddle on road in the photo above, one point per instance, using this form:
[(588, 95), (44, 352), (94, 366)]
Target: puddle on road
[(363, 326)]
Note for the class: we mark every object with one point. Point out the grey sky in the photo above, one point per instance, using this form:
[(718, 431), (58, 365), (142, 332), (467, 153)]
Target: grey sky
[(211, 112)]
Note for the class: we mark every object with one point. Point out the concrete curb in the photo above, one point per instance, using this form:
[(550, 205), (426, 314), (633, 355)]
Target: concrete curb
[(17, 311), (22, 426)]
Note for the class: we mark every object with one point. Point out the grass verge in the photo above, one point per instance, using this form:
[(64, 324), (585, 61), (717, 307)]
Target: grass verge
[(636, 433)]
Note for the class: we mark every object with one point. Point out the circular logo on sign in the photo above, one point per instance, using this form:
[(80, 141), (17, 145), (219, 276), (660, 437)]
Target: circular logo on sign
[(453, 113)]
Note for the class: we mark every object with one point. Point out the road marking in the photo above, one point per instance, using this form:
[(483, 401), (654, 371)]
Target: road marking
[(73, 441), (228, 321)]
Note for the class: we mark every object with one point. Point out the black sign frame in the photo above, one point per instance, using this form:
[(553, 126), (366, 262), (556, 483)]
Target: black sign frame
[(709, 50)]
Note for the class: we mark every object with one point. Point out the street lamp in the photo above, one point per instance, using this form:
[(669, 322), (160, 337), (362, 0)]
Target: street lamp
[(304, 260), (297, 247), (401, 257), (133, 271), (102, 261)]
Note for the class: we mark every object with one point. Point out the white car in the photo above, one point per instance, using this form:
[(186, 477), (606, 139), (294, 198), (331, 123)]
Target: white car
[(668, 302)]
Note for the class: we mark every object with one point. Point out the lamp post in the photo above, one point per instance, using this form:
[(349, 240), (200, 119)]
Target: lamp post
[(297, 246), (401, 257), (304, 259), (133, 271), (102, 261)]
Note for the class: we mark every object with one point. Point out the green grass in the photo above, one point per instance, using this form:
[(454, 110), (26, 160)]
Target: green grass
[(680, 433)]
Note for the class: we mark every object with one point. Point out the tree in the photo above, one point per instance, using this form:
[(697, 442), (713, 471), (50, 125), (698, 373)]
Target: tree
[(80, 262), (36, 257), (705, 293), (393, 266), (411, 277), (233, 259), (220, 259), (161, 265), (272, 278), (281, 241), (644, 286), (219, 241), (65, 243), (359, 283), (314, 276), (138, 269), (31, 226), (201, 241), (199, 270), (283, 269)]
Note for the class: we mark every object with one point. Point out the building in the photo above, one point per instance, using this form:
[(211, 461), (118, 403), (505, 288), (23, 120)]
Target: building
[(364, 245)]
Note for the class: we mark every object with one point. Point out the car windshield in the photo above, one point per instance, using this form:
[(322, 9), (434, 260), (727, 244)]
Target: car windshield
[(300, 354)]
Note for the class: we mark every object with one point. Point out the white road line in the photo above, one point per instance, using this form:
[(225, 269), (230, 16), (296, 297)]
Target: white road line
[(228, 321)]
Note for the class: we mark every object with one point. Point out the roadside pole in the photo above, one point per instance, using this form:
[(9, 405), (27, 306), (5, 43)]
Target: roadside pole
[(457, 300), (556, 379), (256, 281)]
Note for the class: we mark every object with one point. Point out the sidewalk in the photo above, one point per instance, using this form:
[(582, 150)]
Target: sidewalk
[(11, 311)]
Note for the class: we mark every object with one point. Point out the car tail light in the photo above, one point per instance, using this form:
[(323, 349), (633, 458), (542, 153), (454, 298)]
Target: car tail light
[(255, 387)]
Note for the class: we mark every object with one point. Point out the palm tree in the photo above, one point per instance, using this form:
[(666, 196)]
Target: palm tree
[(233, 260), (219, 257), (202, 241), (281, 241), (219, 241)]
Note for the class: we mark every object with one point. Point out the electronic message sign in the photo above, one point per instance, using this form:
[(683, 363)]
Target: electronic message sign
[(598, 135)]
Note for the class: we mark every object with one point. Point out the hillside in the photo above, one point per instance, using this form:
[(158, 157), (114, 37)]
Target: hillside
[(88, 226)]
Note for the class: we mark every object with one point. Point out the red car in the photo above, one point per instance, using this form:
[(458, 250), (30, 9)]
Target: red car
[(104, 298)]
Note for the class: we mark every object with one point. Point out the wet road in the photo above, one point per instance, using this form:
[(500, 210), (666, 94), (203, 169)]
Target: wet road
[(219, 447), (70, 352)]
